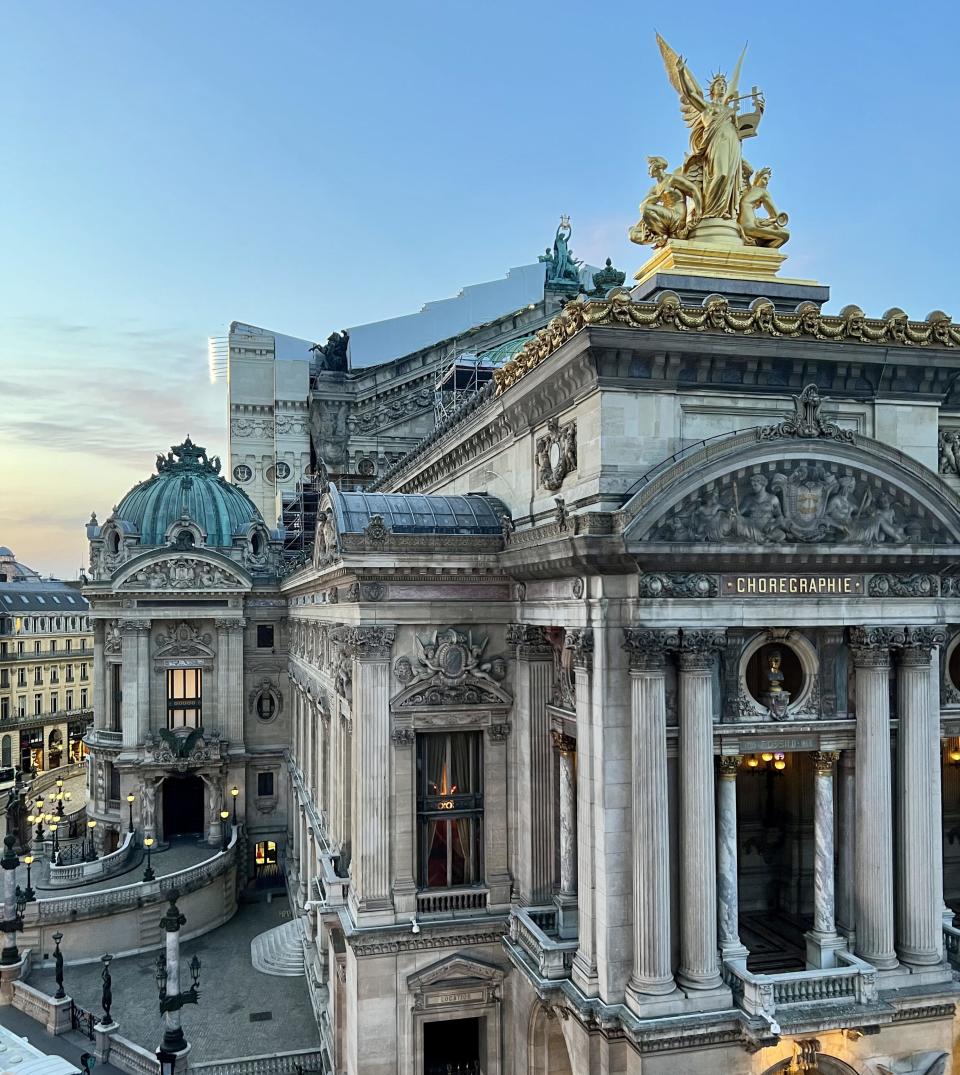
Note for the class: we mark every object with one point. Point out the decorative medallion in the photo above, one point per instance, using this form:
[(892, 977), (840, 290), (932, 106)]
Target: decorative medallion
[(265, 701), (806, 421)]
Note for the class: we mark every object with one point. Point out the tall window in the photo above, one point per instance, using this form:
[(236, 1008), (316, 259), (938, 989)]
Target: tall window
[(449, 809), (184, 697)]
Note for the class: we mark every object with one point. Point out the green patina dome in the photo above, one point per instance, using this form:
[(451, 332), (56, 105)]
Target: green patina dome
[(187, 485)]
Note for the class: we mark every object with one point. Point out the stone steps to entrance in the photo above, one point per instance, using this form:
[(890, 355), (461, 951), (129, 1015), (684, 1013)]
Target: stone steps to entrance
[(279, 951)]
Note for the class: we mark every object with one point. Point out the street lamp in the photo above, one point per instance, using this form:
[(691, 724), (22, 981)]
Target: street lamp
[(58, 960), (130, 801), (234, 791), (167, 1061), (168, 980), (29, 896), (56, 840), (148, 874), (224, 814), (91, 856)]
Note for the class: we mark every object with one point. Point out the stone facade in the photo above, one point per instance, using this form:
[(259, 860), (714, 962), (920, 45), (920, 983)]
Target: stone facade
[(708, 667)]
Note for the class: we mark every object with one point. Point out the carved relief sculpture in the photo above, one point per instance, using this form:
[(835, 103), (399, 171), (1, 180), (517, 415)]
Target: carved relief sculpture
[(556, 454), (451, 671)]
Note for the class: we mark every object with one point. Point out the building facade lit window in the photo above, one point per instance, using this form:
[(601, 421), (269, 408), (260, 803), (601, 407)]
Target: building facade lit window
[(184, 697)]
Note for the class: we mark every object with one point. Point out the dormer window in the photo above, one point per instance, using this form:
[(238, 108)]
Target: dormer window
[(114, 542), (185, 539), (256, 543)]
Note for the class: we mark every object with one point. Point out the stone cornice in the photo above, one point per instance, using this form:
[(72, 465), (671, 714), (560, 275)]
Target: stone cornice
[(716, 316)]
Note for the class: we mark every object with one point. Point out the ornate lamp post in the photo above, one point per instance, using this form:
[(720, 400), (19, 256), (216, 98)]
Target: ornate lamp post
[(91, 855), (168, 980), (58, 961), (224, 814), (234, 792), (148, 874), (131, 798), (37, 817), (29, 895), (13, 902), (106, 997), (59, 797), (54, 828)]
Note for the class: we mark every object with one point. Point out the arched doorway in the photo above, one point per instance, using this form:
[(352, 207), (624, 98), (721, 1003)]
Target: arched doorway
[(547, 1053), (183, 813), (822, 1065), (55, 748)]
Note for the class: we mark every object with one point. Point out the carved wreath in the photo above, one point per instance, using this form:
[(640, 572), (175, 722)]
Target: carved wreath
[(556, 454)]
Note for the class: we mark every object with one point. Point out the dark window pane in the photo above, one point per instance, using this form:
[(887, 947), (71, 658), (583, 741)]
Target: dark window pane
[(265, 784), (264, 636)]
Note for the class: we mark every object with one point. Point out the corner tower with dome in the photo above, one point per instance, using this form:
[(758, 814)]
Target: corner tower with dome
[(188, 624)]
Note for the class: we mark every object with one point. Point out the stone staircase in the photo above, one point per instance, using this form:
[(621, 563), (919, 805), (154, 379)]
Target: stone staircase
[(279, 951)]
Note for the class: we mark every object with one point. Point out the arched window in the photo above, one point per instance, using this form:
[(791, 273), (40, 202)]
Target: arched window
[(114, 542)]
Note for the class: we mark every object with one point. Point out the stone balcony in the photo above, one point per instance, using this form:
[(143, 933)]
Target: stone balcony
[(852, 981), (449, 902), (534, 936)]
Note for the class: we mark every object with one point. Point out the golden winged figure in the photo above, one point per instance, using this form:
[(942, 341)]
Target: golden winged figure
[(715, 161)]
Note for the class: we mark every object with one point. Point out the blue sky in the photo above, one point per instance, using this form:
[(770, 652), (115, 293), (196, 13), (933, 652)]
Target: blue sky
[(168, 167)]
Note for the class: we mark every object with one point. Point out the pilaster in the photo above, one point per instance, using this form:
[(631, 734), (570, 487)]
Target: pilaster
[(99, 676), (370, 648), (402, 821), (230, 701), (584, 971), (495, 829), (533, 758), (135, 681)]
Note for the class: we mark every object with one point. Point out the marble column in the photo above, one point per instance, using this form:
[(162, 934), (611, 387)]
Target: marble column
[(652, 974), (533, 757), (822, 940), (370, 868), (919, 899), (567, 750), (870, 649), (699, 964), (230, 681), (846, 845), (728, 894)]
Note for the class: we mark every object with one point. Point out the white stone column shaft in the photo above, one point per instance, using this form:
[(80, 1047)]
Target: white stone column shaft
[(699, 963), (874, 839), (919, 891), (847, 840), (652, 973)]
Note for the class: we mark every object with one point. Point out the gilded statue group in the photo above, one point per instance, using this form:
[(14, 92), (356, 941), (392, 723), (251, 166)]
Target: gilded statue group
[(806, 504), (714, 183)]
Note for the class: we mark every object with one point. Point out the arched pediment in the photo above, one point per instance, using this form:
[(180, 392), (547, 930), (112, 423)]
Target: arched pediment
[(179, 571), (754, 491)]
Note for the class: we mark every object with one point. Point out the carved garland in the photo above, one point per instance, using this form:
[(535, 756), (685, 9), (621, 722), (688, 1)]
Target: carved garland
[(716, 315)]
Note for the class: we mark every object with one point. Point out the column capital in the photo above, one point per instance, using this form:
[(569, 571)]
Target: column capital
[(532, 642), (648, 647), (728, 765), (919, 643), (499, 733), (824, 760), (698, 648), (403, 737), (566, 744), (580, 643), (371, 643), (870, 646)]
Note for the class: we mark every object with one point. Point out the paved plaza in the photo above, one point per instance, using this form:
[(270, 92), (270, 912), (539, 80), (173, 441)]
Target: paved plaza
[(230, 1020)]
